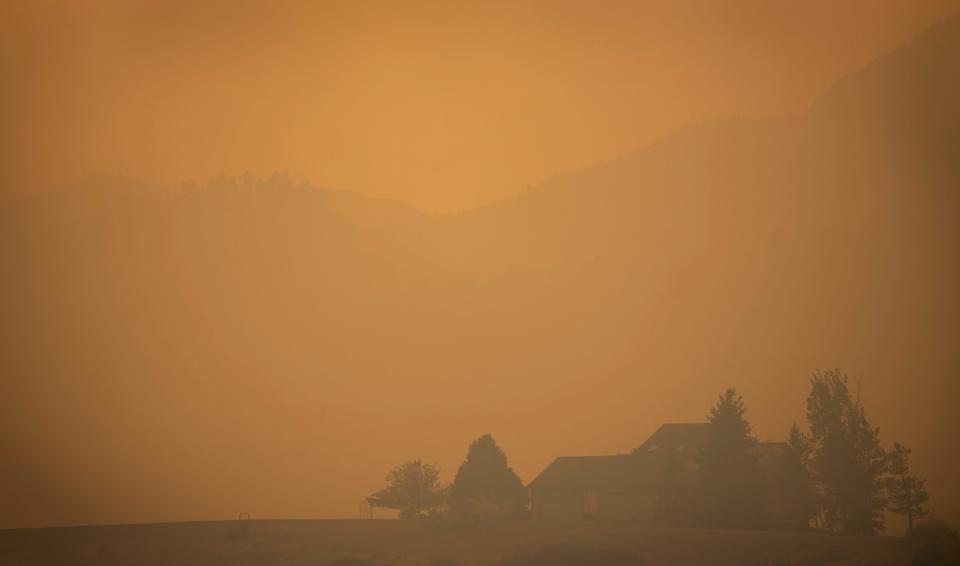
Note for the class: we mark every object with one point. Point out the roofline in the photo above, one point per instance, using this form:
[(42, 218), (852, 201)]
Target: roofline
[(558, 458), (635, 453)]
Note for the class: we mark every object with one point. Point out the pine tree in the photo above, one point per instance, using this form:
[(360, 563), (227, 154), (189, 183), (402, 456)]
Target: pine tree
[(866, 482), (485, 486), (847, 460), (730, 489), (795, 487), (906, 493)]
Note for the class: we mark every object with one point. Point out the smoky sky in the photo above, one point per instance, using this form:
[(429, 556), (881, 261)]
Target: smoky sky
[(561, 223), (442, 105)]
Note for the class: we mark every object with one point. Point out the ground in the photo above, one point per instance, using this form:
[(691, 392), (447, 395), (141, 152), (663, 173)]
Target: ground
[(428, 543)]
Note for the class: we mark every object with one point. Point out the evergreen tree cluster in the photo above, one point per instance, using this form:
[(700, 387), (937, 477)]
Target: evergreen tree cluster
[(836, 477), (847, 463)]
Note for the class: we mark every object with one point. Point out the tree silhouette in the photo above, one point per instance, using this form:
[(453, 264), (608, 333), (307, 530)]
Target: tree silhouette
[(796, 489), (906, 492), (730, 482), (847, 460), (413, 487), (485, 486)]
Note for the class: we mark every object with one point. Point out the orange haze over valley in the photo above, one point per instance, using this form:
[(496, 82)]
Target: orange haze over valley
[(257, 253)]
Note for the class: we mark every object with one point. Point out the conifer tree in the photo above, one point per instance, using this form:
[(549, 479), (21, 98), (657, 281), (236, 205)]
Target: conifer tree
[(730, 483), (796, 490), (485, 486), (847, 460), (906, 492)]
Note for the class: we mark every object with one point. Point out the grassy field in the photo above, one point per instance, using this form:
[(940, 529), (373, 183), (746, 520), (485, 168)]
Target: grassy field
[(387, 542)]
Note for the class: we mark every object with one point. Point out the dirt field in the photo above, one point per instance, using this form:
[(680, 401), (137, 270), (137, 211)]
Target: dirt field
[(388, 542)]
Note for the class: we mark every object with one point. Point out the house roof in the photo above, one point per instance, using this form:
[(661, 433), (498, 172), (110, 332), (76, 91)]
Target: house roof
[(608, 472), (682, 438), (644, 467)]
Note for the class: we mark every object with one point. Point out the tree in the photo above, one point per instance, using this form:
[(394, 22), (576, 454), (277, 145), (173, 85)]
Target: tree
[(485, 486), (906, 492), (730, 482), (847, 460), (414, 488), (796, 490)]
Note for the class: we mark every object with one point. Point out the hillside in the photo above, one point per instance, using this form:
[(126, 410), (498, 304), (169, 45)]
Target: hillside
[(248, 317)]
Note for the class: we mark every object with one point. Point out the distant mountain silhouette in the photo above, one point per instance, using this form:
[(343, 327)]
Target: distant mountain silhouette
[(225, 343), (914, 88)]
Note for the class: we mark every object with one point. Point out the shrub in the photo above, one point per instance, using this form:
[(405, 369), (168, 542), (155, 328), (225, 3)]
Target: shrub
[(939, 544), (934, 529)]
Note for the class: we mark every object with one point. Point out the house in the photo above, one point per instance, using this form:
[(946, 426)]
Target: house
[(623, 487)]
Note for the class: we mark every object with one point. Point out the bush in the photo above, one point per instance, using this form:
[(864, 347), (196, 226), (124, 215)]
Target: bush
[(934, 529), (930, 553), (939, 544)]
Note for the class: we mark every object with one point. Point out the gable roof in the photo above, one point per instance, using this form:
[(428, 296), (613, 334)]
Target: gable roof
[(620, 471), (677, 437), (644, 467)]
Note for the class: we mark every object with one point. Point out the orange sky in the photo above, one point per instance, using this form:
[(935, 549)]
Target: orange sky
[(440, 104), (174, 360)]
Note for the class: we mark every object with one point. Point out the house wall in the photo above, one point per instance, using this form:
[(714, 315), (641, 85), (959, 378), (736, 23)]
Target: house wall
[(625, 506), (557, 504), (581, 504)]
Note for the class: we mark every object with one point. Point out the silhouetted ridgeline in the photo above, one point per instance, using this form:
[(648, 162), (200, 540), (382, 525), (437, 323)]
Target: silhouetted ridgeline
[(172, 355)]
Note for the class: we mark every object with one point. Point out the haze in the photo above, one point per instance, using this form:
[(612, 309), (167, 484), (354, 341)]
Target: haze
[(560, 223), (442, 105)]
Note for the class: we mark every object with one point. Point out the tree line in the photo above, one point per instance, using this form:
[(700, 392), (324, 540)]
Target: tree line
[(484, 487), (835, 477)]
